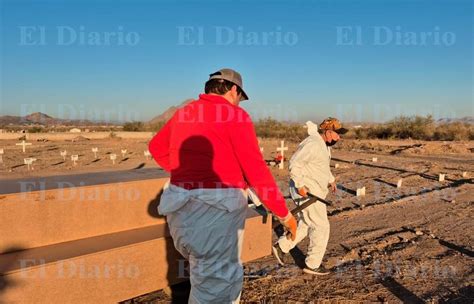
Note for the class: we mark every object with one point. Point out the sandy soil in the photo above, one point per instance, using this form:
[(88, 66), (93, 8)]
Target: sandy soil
[(412, 244)]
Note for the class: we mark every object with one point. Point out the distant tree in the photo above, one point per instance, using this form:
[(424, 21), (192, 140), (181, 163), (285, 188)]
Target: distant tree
[(36, 130), (134, 126), (271, 128), (414, 127)]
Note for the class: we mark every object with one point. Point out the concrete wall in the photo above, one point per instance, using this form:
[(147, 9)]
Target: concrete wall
[(95, 244), (39, 218)]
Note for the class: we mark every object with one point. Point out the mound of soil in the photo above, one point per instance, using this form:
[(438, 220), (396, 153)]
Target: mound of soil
[(80, 138), (436, 148)]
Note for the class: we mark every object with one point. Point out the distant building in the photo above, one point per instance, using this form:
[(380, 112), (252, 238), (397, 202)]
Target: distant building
[(75, 130)]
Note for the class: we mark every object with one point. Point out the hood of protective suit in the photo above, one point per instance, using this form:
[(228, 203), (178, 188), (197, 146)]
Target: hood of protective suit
[(312, 128)]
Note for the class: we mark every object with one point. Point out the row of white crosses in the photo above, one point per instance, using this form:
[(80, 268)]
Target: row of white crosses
[(147, 154), (74, 158), (113, 157)]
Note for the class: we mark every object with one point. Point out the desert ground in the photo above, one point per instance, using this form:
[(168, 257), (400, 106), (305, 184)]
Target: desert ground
[(412, 244)]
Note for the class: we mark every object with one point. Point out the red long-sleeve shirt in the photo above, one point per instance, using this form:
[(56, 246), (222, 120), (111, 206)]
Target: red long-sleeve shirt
[(211, 143)]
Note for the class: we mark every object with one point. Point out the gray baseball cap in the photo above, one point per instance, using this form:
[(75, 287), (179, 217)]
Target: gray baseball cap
[(232, 76)]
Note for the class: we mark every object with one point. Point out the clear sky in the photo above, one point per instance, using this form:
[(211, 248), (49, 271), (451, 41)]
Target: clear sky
[(131, 60)]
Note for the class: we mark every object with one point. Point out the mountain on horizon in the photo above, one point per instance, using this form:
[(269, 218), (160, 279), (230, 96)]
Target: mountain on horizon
[(467, 119), (38, 118), (166, 115)]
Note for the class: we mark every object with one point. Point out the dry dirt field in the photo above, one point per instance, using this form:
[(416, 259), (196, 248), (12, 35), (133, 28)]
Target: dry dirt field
[(412, 244), (50, 162)]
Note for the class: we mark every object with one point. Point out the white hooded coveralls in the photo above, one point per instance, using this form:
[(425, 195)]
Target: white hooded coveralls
[(214, 259), (309, 167)]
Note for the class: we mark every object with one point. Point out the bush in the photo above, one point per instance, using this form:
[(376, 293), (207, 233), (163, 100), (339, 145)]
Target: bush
[(416, 127), (271, 128), (36, 130), (454, 131), (135, 126)]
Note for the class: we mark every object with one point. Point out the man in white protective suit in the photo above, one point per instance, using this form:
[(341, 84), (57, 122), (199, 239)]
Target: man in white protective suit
[(310, 173), (210, 148)]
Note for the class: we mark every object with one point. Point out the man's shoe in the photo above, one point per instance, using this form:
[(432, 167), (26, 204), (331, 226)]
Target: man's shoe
[(278, 253), (321, 270)]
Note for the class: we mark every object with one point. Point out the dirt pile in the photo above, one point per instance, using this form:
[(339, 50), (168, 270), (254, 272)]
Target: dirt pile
[(80, 138), (437, 148)]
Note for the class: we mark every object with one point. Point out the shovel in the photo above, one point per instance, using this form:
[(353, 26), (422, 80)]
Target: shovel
[(312, 199)]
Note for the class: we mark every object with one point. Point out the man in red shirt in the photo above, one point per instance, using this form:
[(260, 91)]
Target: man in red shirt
[(210, 148)]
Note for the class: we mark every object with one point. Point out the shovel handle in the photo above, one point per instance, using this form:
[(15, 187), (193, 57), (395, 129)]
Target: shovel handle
[(312, 199)]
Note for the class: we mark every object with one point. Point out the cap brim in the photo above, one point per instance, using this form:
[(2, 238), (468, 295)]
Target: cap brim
[(243, 96), (341, 131)]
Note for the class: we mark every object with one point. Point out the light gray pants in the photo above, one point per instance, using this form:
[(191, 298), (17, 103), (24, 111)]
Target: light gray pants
[(313, 223), (210, 237)]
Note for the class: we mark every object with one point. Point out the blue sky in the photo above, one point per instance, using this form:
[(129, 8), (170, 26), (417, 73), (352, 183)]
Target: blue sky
[(356, 60)]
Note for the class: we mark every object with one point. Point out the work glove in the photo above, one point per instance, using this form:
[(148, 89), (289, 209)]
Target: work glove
[(303, 191), (290, 224)]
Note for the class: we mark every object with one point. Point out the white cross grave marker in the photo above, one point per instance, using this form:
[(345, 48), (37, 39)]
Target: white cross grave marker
[(147, 154), (441, 177), (24, 144), (124, 152), (74, 158), (95, 150), (113, 157), (29, 162), (282, 150), (360, 191), (399, 183), (63, 154), (374, 159)]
